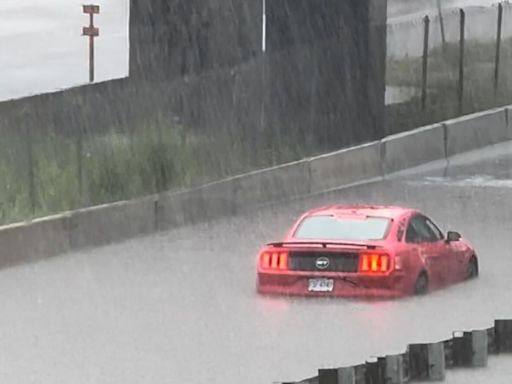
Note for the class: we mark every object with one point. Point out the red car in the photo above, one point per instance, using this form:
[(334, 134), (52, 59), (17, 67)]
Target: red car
[(364, 251)]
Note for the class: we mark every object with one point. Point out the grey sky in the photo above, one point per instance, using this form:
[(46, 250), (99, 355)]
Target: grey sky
[(43, 50)]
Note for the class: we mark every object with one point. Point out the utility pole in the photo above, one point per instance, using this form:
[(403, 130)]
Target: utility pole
[(92, 32)]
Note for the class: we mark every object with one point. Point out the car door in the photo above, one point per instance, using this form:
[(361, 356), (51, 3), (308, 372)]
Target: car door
[(429, 247), (458, 255), (450, 253)]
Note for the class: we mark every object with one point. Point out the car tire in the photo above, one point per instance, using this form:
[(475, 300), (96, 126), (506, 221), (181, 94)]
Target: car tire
[(421, 285), (472, 269)]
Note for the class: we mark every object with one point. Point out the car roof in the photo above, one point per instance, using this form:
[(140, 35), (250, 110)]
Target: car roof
[(388, 211)]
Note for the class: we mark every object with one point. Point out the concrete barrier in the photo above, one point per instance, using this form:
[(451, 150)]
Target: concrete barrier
[(311, 380), (272, 185), (425, 362), (345, 167), (397, 369), (480, 348), (206, 203), (503, 336), (35, 240), (119, 221), (477, 131), (410, 149), (509, 119), (346, 375), (111, 223), (467, 349)]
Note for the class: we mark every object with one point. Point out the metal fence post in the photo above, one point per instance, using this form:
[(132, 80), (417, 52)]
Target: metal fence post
[(498, 48), (426, 21), (461, 60), (30, 169), (79, 165), (441, 24)]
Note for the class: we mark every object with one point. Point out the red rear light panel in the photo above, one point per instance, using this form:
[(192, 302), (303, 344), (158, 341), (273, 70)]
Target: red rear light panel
[(374, 263), (274, 260)]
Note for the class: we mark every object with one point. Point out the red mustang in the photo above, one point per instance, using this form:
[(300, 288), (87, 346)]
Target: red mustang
[(364, 251)]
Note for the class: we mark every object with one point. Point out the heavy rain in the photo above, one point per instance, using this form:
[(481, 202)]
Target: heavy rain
[(123, 123)]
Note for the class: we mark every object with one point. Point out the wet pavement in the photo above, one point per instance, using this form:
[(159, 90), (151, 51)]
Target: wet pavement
[(181, 306)]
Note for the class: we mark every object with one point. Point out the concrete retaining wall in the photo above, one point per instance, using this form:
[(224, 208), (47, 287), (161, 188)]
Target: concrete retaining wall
[(200, 204), (111, 223), (119, 221), (40, 239), (346, 167), (509, 119), (414, 148), (271, 185), (476, 131)]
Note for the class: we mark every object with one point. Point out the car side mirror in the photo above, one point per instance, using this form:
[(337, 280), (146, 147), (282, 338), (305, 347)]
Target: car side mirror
[(453, 236)]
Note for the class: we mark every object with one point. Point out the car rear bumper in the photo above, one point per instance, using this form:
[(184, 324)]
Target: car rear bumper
[(390, 286)]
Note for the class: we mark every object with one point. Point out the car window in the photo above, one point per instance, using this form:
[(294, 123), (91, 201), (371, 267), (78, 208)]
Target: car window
[(401, 230), (437, 232), (419, 231), (343, 228)]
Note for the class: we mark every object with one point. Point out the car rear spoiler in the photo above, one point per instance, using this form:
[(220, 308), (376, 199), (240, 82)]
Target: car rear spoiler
[(324, 244)]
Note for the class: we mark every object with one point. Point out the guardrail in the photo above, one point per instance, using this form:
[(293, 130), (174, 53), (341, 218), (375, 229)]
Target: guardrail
[(424, 362), (70, 231)]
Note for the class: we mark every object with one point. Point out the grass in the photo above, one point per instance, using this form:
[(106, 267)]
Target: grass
[(73, 172), (46, 173), (443, 83)]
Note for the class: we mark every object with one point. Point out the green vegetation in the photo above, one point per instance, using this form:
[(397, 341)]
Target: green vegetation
[(443, 83), (46, 173)]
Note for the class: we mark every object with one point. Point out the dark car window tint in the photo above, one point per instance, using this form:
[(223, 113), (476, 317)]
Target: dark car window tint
[(346, 228), (401, 230), (419, 231), (437, 232)]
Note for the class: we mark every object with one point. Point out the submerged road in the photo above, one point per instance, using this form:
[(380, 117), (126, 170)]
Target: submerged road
[(181, 306)]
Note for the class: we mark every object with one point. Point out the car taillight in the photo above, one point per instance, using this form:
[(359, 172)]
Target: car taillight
[(374, 263), (274, 260)]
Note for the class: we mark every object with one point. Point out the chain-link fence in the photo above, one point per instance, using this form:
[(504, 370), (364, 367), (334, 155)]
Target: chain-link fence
[(452, 62)]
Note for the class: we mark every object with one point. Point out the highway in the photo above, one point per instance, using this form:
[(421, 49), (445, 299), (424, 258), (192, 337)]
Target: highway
[(180, 306)]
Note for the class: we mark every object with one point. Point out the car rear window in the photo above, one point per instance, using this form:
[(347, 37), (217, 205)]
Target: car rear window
[(346, 228)]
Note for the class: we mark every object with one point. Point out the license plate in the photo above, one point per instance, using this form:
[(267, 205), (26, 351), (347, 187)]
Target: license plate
[(321, 285)]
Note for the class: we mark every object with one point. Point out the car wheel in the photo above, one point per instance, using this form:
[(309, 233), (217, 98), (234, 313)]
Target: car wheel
[(472, 270), (421, 285)]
